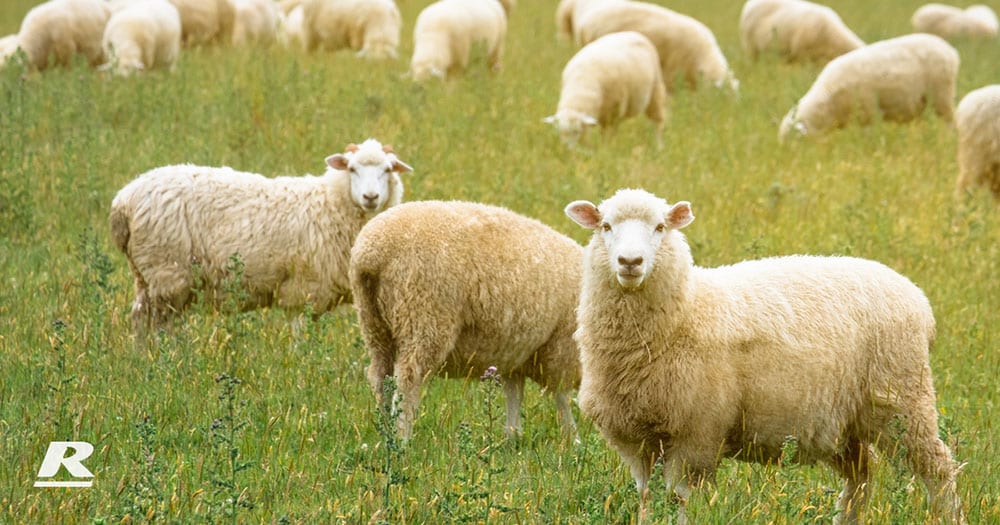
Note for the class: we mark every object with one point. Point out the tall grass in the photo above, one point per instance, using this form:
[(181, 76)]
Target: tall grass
[(301, 417)]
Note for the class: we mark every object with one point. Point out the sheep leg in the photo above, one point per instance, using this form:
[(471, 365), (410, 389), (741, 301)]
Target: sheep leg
[(676, 480), (854, 465), (565, 413), (496, 57), (420, 355), (513, 388), (641, 467), (930, 458)]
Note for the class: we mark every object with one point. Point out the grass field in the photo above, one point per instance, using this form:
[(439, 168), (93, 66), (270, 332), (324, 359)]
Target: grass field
[(296, 440)]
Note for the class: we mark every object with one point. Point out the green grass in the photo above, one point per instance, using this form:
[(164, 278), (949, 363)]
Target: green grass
[(302, 417)]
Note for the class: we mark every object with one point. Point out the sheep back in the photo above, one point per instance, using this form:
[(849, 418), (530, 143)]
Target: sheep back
[(370, 27), (60, 29), (446, 30), (796, 29)]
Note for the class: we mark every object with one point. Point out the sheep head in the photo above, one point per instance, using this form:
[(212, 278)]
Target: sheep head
[(572, 125), (631, 225), (374, 170)]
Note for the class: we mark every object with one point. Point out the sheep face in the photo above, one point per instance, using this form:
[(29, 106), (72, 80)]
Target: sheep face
[(373, 170), (631, 226), (572, 125), (790, 123)]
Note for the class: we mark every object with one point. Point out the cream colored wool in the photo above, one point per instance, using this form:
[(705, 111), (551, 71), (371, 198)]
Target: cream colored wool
[(949, 22), (795, 29), (569, 13), (179, 225), (255, 22), (895, 78), (141, 35), (446, 30), (8, 46), (613, 78), (978, 121), (370, 27), (205, 21), (686, 47), (291, 32), (58, 30), (693, 364), (457, 287)]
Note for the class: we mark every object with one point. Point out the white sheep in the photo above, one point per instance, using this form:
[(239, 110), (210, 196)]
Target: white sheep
[(179, 225), (255, 22), (795, 29), (896, 78), (205, 21), (689, 364), (54, 32), (687, 48), (568, 16), (141, 35), (945, 21), (456, 288), (370, 27), (978, 121), (8, 46), (291, 32), (614, 77), (446, 30)]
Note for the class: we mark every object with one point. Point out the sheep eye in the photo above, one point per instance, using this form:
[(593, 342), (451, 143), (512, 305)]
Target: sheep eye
[(660, 228), (605, 226)]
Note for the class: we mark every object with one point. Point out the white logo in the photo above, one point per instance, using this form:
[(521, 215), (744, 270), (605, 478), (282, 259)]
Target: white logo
[(55, 457)]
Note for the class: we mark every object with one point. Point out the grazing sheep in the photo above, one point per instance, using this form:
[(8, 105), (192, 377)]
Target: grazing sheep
[(142, 34), (370, 27), (179, 225), (54, 32), (291, 32), (569, 13), (686, 47), (978, 121), (456, 288), (795, 29), (255, 22), (945, 21), (205, 21), (446, 31), (614, 77), (896, 77), (689, 364)]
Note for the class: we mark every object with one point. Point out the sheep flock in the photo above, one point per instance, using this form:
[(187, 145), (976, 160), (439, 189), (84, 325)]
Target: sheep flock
[(675, 364)]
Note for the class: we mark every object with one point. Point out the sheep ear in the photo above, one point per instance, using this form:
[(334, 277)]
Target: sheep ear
[(399, 166), (679, 215), (801, 127), (584, 213), (337, 162), (589, 121), (551, 119)]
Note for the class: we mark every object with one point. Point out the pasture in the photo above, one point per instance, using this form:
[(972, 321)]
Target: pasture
[(296, 438)]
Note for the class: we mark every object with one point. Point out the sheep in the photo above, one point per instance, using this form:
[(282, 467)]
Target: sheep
[(687, 364), (54, 32), (978, 121), (142, 34), (370, 27), (179, 225), (458, 287), (255, 21), (205, 21), (686, 47), (895, 77), (614, 77), (291, 33), (949, 22), (8, 46), (568, 16), (795, 29), (446, 30)]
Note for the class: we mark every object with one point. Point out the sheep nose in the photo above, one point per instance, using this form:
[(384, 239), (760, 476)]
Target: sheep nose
[(370, 196), (629, 261)]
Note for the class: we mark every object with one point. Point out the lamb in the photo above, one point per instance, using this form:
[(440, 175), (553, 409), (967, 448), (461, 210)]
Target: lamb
[(689, 364), (254, 22), (569, 13), (446, 30), (141, 35), (456, 288), (978, 121), (614, 77), (370, 27), (949, 22), (205, 21), (795, 29), (896, 77), (54, 32), (179, 225), (686, 47)]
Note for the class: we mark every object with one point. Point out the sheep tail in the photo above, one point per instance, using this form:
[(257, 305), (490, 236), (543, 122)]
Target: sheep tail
[(120, 231)]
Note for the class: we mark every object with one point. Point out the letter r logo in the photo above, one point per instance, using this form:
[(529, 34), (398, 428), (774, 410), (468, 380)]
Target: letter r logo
[(56, 456)]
